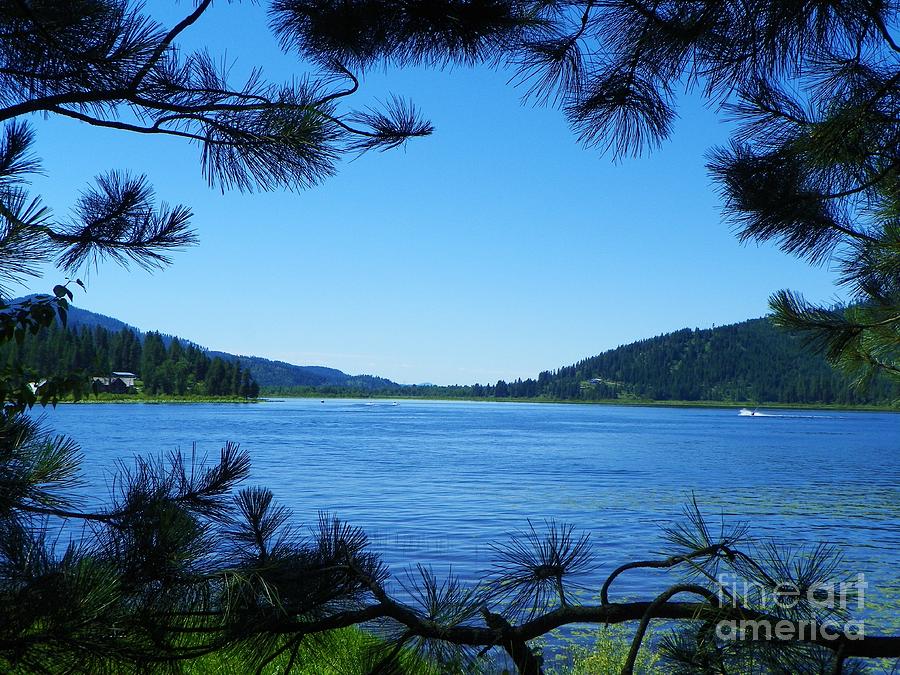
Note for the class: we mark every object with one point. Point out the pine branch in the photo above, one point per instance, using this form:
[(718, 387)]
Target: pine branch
[(118, 221), (167, 41)]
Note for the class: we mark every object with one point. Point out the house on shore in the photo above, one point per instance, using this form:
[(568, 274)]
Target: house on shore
[(119, 382)]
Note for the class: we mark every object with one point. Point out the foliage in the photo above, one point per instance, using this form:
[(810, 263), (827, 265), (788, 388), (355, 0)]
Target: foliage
[(607, 654), (18, 321), (58, 351), (189, 370), (341, 652), (109, 64)]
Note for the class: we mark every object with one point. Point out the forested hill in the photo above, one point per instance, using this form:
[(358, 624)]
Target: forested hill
[(748, 361), (108, 361), (271, 374)]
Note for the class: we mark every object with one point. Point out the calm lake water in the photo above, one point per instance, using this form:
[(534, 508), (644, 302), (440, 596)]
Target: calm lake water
[(436, 482)]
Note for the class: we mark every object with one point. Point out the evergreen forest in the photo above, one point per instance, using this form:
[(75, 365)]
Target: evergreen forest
[(165, 365)]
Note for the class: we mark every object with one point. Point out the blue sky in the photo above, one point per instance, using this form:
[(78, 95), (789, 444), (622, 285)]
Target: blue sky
[(496, 248)]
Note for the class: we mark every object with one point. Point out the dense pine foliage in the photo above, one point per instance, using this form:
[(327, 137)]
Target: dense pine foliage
[(166, 366)]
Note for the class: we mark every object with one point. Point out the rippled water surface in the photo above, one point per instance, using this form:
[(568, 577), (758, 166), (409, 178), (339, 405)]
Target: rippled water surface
[(436, 482)]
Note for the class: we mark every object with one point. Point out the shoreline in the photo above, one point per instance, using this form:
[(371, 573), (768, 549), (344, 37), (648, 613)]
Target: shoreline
[(161, 400), (609, 402), (157, 400)]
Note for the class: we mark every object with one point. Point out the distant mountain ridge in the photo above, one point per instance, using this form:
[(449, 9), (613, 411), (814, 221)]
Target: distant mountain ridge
[(82, 317), (266, 372), (271, 373)]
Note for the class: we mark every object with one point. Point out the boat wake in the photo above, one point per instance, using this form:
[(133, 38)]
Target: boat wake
[(746, 412)]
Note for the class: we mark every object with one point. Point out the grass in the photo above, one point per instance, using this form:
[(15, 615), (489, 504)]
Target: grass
[(607, 654), (347, 651)]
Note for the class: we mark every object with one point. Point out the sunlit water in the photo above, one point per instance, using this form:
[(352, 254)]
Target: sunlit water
[(436, 483)]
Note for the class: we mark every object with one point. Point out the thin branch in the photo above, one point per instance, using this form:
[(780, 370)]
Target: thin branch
[(474, 636), (62, 513), (263, 105), (74, 98), (517, 648), (628, 667), (124, 126), (708, 552), (885, 33), (166, 42), (862, 187), (345, 92), (274, 655), (839, 658)]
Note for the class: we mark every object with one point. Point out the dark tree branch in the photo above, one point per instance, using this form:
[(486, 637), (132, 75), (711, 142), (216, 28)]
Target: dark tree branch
[(45, 103), (879, 24), (709, 596), (124, 126), (167, 41), (614, 613), (63, 513), (708, 552)]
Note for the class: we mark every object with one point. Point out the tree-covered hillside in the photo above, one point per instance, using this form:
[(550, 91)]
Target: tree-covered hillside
[(749, 361), (277, 376), (165, 367)]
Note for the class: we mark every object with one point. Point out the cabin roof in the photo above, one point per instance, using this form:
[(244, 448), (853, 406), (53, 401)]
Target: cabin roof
[(123, 374)]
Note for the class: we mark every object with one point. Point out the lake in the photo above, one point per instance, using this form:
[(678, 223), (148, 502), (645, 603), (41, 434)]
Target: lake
[(437, 482)]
